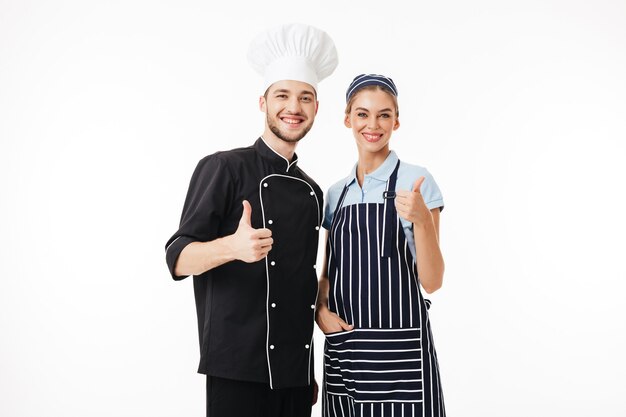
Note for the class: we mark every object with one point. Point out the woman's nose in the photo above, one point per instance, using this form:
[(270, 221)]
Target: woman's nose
[(372, 123)]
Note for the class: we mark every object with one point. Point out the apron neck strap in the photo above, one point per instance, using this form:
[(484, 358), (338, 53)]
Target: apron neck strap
[(341, 198), (388, 235)]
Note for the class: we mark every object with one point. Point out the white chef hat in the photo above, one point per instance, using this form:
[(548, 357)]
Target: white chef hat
[(293, 52)]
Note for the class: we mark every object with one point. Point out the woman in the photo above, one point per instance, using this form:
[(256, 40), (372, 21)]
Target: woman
[(383, 226)]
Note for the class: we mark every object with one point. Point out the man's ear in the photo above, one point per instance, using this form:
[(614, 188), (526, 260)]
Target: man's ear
[(262, 104)]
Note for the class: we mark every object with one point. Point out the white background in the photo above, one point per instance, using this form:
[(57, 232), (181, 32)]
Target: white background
[(518, 109)]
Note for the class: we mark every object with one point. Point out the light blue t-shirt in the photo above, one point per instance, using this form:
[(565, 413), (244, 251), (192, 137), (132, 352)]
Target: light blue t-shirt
[(375, 183)]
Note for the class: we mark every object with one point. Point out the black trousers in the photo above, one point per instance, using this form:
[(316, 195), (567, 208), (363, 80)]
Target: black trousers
[(230, 398)]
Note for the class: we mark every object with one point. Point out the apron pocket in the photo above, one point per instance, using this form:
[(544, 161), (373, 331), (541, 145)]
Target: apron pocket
[(336, 338), (335, 358), (377, 365)]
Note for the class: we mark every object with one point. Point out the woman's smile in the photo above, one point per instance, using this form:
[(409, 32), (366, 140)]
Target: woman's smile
[(372, 137)]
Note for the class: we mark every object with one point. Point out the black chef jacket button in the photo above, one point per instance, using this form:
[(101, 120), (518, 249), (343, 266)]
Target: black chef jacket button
[(273, 305), (313, 306), (270, 221), (312, 192), (265, 184), (317, 228), (306, 346), (314, 266), (273, 263), (271, 346)]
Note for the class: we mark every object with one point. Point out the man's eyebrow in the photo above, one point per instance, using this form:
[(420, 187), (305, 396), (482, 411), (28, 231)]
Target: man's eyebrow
[(284, 90)]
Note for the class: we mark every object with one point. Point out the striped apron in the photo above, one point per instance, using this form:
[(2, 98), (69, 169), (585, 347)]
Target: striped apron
[(386, 365)]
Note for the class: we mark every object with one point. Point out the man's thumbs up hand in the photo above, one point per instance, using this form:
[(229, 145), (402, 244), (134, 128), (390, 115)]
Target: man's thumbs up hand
[(250, 244)]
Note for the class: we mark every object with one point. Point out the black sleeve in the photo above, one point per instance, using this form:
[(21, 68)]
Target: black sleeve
[(210, 192)]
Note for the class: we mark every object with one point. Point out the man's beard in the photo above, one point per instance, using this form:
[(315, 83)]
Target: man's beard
[(275, 130)]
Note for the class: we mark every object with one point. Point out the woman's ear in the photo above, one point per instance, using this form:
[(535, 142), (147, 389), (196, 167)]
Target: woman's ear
[(396, 124), (346, 121)]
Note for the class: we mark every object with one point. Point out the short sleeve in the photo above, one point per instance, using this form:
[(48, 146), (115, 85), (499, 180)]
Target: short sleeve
[(210, 191), (332, 198), (431, 192), (328, 215)]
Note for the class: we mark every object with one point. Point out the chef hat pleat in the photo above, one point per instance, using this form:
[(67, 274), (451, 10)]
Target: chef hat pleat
[(293, 52)]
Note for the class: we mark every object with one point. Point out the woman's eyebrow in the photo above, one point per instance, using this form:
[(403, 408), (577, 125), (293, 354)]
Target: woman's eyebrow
[(379, 111)]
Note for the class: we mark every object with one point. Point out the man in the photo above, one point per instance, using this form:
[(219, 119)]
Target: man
[(249, 236)]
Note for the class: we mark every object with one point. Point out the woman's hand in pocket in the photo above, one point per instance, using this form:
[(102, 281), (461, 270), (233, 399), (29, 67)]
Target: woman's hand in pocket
[(329, 322)]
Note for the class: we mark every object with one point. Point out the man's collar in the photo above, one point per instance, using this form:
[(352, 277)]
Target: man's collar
[(266, 151)]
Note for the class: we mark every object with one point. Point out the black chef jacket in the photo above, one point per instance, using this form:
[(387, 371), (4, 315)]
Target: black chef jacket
[(255, 320)]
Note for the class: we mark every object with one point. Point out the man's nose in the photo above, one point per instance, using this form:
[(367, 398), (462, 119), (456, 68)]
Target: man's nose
[(293, 105)]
